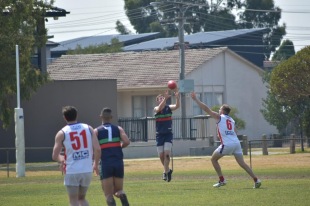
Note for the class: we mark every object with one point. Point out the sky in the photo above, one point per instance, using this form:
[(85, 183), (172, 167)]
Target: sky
[(98, 17)]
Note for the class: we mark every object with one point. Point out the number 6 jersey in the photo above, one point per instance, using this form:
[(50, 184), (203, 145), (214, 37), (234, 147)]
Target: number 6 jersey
[(226, 130), (78, 148)]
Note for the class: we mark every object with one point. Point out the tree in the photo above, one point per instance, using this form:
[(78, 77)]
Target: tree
[(121, 28), (290, 79), (200, 15), (264, 14), (290, 84), (275, 112), (285, 51), (115, 46), (18, 22)]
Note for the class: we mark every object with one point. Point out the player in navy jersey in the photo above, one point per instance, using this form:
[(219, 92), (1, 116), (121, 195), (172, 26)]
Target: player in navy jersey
[(80, 143), (230, 143), (112, 140), (164, 135)]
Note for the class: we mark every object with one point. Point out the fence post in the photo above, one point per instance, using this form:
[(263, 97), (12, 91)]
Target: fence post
[(211, 141), (7, 164), (245, 144), (292, 144), (264, 145)]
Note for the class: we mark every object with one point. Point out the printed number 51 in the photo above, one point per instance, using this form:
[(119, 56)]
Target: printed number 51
[(76, 140)]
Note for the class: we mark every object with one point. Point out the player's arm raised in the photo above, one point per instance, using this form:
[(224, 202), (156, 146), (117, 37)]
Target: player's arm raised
[(177, 103), (205, 108)]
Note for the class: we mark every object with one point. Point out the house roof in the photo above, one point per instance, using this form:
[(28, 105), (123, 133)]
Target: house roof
[(193, 39), (150, 69), (103, 39)]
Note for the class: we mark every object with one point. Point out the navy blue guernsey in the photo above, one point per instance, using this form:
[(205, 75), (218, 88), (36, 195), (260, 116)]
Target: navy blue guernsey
[(110, 142), (164, 121)]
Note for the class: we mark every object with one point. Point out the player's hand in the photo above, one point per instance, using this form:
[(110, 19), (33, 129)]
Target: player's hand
[(193, 95), (62, 166), (166, 95), (96, 169)]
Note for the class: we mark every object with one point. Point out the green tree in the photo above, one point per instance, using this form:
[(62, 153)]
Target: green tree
[(113, 47), (121, 28), (290, 79), (289, 82), (239, 123), (264, 14), (18, 21), (202, 16), (274, 111), (285, 51)]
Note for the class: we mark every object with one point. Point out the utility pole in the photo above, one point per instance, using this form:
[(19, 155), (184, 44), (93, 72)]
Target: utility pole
[(182, 65), (182, 7)]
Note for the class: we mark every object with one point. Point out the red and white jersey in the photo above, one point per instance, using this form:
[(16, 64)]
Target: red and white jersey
[(226, 130), (78, 148)]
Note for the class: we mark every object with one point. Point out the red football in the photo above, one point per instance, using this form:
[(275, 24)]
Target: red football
[(172, 84)]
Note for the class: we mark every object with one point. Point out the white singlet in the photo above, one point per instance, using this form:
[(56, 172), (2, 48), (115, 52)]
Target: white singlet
[(226, 130), (78, 148)]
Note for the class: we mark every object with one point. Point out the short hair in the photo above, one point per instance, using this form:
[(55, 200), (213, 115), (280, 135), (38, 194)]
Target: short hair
[(158, 96), (226, 109), (70, 113), (106, 112)]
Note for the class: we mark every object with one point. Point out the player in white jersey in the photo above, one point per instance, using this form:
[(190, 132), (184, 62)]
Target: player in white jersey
[(230, 143), (81, 146)]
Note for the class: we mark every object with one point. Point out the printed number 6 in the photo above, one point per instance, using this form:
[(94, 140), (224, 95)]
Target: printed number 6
[(228, 124)]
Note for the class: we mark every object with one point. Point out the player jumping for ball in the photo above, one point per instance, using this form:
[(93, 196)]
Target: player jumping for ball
[(164, 136)]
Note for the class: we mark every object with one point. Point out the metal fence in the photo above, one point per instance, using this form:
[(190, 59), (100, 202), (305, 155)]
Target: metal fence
[(143, 129)]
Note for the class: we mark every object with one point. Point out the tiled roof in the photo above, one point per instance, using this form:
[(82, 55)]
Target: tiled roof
[(131, 69)]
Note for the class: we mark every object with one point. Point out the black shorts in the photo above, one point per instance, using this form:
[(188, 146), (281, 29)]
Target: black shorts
[(114, 169), (162, 138)]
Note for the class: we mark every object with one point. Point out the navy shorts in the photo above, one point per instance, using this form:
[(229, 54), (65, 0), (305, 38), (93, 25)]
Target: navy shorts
[(114, 169), (162, 138)]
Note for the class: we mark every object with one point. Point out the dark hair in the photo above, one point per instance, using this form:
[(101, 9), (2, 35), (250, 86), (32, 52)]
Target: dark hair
[(106, 112), (70, 113), (226, 109)]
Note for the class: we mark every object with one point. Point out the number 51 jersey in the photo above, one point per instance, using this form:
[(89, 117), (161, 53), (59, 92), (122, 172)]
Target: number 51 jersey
[(78, 148)]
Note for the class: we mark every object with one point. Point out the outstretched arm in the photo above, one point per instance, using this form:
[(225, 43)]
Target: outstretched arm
[(205, 108), (177, 103)]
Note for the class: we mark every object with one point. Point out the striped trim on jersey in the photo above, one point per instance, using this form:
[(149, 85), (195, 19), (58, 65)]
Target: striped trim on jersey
[(105, 143)]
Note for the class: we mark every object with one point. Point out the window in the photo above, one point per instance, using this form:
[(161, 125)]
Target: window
[(143, 106), (209, 98)]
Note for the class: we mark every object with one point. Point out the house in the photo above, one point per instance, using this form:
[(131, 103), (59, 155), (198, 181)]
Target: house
[(86, 41), (248, 43), (220, 76)]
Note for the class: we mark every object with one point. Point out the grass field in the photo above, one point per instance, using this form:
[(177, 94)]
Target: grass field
[(285, 181)]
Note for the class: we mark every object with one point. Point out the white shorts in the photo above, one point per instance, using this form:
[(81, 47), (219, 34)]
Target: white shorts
[(166, 147), (81, 179), (229, 149)]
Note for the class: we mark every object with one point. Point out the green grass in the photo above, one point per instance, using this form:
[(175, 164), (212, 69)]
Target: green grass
[(286, 181)]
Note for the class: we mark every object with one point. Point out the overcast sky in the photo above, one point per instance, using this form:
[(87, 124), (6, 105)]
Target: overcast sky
[(98, 17)]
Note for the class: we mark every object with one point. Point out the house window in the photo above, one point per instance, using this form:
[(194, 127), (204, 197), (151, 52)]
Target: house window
[(210, 99), (143, 106)]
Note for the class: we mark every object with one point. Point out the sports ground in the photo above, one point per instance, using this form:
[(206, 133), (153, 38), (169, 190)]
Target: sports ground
[(285, 181)]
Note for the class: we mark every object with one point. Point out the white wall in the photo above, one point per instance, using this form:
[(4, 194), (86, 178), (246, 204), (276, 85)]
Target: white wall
[(240, 82), (245, 91), (242, 87)]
